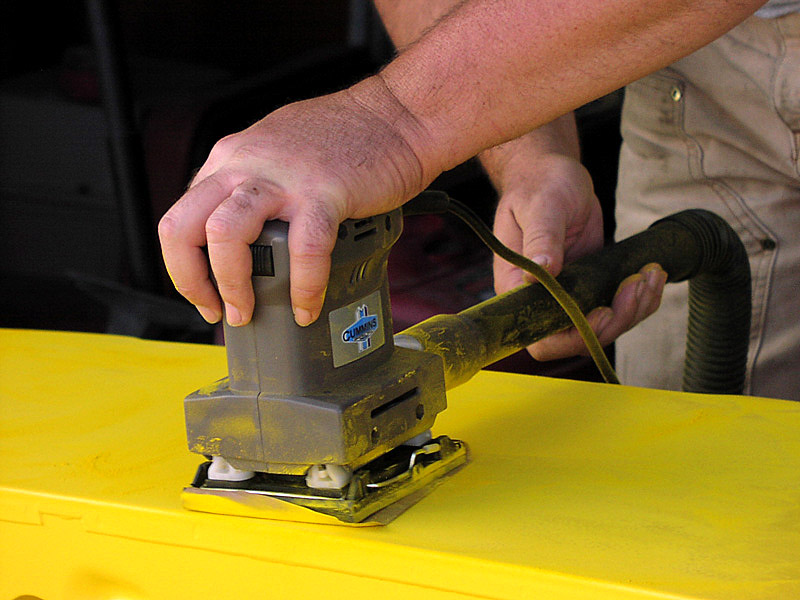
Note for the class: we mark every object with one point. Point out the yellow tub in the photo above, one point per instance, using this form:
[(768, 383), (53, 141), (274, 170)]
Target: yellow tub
[(574, 490)]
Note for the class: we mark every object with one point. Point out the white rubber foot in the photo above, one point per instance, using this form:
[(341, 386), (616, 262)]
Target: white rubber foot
[(222, 470), (328, 477)]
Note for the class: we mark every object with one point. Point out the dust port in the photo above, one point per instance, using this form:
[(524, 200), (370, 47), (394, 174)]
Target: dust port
[(386, 406)]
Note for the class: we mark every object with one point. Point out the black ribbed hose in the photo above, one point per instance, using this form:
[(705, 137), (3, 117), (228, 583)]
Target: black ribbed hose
[(719, 305)]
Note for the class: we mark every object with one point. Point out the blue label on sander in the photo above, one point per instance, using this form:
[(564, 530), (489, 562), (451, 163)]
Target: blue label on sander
[(356, 329), (361, 331)]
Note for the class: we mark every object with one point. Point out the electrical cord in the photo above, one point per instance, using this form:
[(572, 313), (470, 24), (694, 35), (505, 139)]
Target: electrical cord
[(437, 202)]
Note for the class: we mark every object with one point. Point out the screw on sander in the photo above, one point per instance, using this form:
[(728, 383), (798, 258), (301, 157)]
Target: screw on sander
[(337, 394)]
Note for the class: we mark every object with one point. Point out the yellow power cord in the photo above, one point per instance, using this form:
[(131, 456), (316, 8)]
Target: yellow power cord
[(549, 282)]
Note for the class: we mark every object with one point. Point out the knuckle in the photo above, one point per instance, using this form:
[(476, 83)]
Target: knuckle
[(224, 146), (535, 244), (246, 195), (307, 295), (191, 290), (237, 210), (219, 228), (321, 220), (241, 201), (244, 151), (231, 287), (186, 290), (255, 187), (168, 227), (317, 232)]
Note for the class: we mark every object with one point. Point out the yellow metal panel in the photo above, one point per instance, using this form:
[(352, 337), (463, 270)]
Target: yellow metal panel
[(574, 490)]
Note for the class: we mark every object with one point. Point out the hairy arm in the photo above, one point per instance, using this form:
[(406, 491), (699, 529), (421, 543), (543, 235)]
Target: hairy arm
[(492, 70), (487, 72)]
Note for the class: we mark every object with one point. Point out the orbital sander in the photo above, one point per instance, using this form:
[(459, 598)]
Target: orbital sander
[(331, 423)]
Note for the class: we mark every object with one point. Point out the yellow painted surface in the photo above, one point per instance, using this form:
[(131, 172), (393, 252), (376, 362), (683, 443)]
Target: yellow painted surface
[(574, 490)]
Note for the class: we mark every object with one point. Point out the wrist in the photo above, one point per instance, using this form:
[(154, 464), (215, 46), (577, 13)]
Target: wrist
[(398, 136)]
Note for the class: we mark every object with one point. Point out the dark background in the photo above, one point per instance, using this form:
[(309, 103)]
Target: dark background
[(191, 72)]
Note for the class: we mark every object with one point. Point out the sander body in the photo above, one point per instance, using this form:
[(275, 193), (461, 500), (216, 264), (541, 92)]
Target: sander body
[(332, 416)]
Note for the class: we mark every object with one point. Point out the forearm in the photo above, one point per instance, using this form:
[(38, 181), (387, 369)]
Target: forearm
[(492, 70), (407, 21)]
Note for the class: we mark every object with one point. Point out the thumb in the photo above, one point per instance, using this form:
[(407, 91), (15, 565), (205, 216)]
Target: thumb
[(506, 229), (529, 228), (543, 236)]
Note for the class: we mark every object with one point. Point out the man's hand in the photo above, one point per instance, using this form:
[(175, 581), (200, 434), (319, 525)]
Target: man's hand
[(313, 164), (548, 212), (550, 215)]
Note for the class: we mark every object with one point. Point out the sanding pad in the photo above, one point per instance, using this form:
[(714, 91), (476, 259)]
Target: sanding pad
[(376, 495)]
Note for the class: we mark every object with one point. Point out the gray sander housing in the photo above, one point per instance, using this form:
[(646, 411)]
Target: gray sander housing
[(338, 391)]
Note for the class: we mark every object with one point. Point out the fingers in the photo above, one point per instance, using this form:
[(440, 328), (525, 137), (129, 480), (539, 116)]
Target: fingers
[(225, 216), (550, 216), (544, 242), (237, 222), (311, 164), (230, 229), (638, 296), (569, 342), (312, 237), (182, 235)]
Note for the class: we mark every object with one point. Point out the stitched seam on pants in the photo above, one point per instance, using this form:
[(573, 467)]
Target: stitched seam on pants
[(776, 81), (762, 265), (748, 221)]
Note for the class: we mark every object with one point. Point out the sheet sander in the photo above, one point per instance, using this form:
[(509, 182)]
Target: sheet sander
[(331, 423)]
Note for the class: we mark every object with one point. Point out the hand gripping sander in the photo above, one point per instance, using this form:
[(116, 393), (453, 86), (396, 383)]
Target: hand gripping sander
[(336, 417), (332, 417)]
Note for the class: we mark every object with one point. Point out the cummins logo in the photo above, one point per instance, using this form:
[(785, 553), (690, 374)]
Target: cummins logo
[(362, 329)]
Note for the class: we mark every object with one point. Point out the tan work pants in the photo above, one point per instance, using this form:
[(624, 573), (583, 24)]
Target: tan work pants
[(720, 130)]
